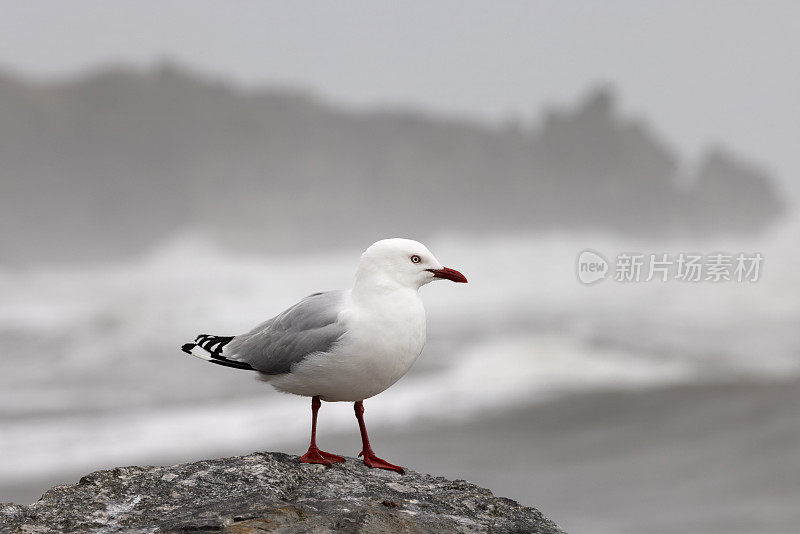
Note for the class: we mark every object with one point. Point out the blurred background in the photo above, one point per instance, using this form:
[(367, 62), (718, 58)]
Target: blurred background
[(171, 168)]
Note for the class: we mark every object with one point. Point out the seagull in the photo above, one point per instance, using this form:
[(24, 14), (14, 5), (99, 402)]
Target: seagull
[(345, 345)]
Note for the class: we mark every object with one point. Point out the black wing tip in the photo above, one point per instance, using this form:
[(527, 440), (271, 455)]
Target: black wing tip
[(216, 356), (232, 363)]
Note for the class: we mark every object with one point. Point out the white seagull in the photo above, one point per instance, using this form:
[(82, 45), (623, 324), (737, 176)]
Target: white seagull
[(345, 345)]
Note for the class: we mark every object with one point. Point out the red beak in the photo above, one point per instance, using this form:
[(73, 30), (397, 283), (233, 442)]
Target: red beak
[(449, 274)]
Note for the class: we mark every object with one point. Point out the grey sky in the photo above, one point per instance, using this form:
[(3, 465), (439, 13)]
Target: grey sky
[(703, 72)]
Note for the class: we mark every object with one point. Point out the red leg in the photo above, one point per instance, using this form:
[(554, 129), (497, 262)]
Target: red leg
[(314, 455), (369, 457)]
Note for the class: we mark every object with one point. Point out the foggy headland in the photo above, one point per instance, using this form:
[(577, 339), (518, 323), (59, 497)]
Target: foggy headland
[(110, 163)]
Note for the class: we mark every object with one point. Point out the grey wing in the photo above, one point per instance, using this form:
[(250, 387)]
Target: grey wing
[(307, 327)]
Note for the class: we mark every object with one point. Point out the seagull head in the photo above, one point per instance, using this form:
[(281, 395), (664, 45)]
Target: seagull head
[(405, 262)]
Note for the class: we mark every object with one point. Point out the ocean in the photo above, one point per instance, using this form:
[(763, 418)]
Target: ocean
[(92, 375)]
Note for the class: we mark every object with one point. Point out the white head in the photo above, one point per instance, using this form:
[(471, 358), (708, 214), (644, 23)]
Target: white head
[(402, 261)]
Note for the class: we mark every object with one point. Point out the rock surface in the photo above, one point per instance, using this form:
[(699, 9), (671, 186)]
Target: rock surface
[(269, 492)]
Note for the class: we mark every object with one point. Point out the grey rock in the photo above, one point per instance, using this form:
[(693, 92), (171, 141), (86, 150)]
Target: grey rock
[(269, 492)]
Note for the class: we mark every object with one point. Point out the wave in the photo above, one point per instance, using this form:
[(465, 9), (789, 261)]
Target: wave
[(93, 376)]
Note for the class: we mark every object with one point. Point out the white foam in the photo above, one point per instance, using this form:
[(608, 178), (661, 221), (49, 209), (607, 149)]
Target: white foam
[(93, 374)]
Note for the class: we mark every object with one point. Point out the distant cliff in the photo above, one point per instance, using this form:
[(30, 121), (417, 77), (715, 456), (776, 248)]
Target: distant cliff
[(270, 492), (110, 163)]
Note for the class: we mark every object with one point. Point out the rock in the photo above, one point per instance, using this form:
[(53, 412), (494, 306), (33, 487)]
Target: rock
[(269, 492)]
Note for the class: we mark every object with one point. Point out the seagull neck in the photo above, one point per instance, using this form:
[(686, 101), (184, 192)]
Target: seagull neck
[(373, 287)]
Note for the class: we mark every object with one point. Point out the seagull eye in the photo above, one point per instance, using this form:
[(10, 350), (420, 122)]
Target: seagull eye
[(415, 259)]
